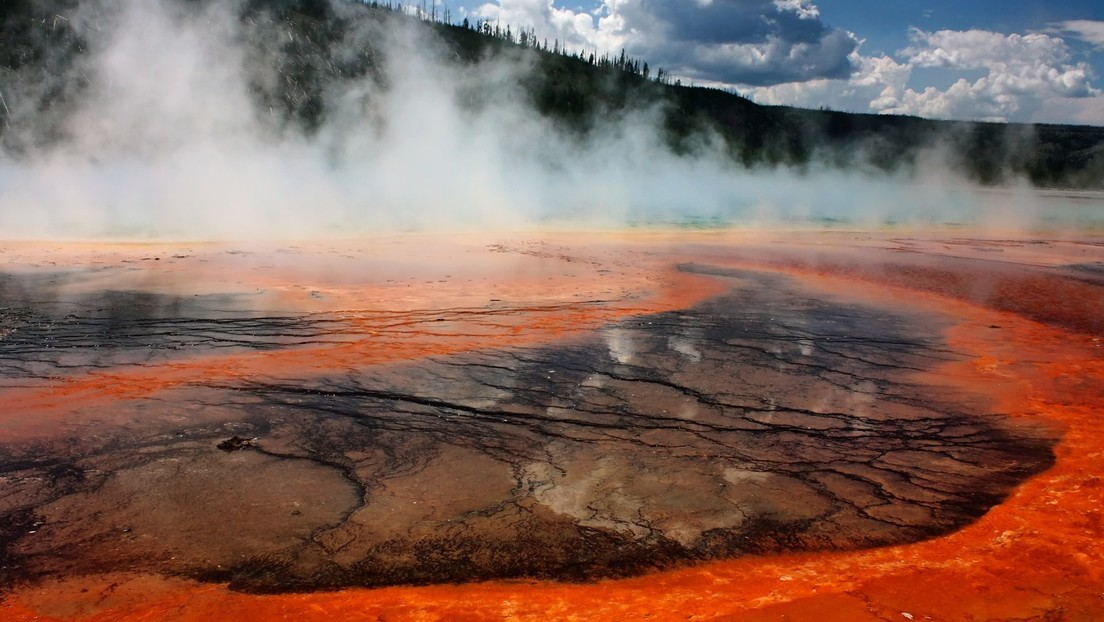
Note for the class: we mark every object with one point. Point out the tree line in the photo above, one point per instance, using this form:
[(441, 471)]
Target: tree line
[(526, 37)]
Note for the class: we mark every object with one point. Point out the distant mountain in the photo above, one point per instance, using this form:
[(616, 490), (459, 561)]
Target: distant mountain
[(307, 46)]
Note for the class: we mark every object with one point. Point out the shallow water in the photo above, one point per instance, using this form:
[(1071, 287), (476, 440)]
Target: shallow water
[(707, 400)]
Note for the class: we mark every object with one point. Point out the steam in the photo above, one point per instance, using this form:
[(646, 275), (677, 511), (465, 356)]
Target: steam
[(169, 142)]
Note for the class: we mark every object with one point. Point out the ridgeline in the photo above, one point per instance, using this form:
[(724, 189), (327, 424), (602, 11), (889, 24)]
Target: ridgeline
[(311, 44)]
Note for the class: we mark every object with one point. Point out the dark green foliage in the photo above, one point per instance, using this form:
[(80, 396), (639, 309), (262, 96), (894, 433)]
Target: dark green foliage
[(37, 44), (32, 33)]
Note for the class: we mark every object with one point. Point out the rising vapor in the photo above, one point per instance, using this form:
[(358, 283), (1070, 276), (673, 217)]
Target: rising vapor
[(171, 137)]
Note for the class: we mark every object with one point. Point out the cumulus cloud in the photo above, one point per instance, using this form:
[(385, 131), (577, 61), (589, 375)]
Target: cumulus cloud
[(1022, 71), (1031, 63), (873, 86), (577, 30), (755, 42), (1022, 74)]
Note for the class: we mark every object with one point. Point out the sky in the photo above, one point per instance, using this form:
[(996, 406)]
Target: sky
[(1010, 60)]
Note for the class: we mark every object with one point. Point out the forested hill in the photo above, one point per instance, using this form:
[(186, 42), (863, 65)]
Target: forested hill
[(312, 44)]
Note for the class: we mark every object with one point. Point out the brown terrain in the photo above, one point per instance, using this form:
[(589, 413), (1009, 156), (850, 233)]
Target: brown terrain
[(806, 425)]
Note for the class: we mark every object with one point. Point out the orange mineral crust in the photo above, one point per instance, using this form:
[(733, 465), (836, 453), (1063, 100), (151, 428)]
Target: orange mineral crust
[(1034, 556), (385, 300)]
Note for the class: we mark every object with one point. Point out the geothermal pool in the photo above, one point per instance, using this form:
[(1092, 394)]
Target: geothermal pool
[(631, 425)]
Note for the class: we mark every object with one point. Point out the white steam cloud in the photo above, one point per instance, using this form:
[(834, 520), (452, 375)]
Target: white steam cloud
[(168, 142)]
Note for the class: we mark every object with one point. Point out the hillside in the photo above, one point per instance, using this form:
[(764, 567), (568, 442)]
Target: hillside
[(309, 45)]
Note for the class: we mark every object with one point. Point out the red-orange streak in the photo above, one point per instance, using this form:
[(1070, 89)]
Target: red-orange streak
[(377, 338)]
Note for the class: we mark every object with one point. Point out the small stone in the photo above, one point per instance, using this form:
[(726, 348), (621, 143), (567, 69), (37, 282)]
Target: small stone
[(236, 443)]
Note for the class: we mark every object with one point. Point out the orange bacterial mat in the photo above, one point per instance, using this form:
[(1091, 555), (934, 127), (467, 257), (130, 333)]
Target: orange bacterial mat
[(1023, 318)]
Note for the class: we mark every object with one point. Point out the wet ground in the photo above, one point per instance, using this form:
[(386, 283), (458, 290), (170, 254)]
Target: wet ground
[(299, 419)]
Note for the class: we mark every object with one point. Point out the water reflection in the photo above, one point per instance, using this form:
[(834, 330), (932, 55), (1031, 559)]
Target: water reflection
[(764, 420)]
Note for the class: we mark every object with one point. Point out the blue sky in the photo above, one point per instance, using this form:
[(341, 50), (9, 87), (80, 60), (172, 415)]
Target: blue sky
[(1015, 60)]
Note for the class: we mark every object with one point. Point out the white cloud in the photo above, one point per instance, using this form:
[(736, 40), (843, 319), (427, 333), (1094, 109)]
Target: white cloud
[(802, 8), (758, 42), (1032, 63), (1023, 75), (1080, 110), (1022, 72), (1086, 30), (576, 30), (875, 85)]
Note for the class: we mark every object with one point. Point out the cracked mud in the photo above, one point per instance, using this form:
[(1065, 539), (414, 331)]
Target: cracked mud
[(764, 420)]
